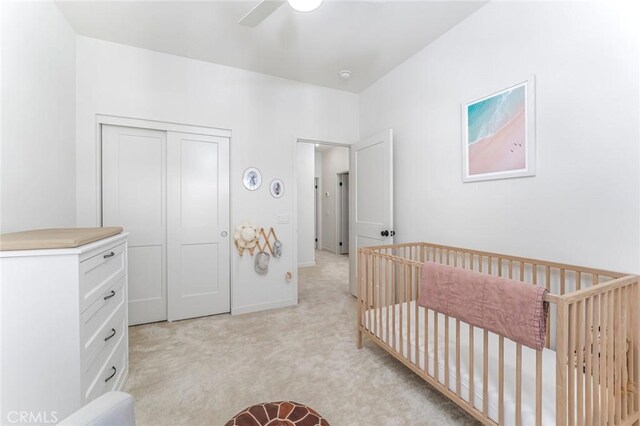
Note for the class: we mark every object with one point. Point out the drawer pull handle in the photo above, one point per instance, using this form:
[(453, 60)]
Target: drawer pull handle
[(106, 256), (112, 374), (113, 293), (109, 337)]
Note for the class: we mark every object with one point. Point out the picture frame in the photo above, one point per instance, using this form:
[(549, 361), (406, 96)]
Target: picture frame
[(276, 188), (498, 134), (252, 178)]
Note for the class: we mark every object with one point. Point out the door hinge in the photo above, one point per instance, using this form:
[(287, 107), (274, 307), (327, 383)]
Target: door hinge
[(340, 183), (316, 240), (340, 244)]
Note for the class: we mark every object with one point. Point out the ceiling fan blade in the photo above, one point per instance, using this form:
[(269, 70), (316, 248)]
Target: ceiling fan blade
[(260, 12)]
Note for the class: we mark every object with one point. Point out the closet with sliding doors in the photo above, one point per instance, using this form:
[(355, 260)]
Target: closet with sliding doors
[(170, 191)]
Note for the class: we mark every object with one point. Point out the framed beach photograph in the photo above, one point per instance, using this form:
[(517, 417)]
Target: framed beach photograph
[(499, 134)]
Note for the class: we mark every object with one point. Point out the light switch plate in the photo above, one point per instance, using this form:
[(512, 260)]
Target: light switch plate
[(283, 218)]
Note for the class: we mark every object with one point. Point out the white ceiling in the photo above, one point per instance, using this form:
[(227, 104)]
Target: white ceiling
[(368, 37)]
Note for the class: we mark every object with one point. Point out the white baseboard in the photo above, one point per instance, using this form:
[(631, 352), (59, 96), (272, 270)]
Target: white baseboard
[(262, 307), (306, 264)]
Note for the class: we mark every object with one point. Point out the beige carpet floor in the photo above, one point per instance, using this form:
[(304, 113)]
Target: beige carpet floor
[(205, 370)]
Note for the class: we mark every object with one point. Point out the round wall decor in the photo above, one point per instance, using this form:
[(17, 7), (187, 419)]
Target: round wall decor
[(276, 188), (252, 179)]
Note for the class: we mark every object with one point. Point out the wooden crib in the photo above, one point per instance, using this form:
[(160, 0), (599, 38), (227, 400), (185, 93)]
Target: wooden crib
[(588, 374)]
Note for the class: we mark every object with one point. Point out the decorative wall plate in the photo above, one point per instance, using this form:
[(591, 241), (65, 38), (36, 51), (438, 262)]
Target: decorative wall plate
[(276, 188), (252, 178)]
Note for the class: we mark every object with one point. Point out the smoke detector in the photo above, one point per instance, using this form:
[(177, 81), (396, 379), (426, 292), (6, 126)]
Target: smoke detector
[(344, 75)]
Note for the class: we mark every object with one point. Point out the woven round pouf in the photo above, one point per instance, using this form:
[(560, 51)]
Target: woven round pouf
[(282, 413)]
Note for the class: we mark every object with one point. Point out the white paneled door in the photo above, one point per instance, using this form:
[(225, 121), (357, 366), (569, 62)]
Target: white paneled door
[(198, 219), (171, 192), (134, 187), (371, 212)]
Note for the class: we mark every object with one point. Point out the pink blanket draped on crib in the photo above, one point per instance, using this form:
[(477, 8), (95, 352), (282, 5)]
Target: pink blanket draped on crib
[(506, 307)]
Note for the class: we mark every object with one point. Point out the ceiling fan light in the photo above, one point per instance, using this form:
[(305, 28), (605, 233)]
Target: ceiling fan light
[(304, 5)]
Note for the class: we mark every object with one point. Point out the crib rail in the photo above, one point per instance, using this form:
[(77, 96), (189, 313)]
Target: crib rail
[(388, 288)]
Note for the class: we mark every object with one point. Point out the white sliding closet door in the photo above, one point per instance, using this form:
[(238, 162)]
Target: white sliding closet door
[(198, 225), (134, 197)]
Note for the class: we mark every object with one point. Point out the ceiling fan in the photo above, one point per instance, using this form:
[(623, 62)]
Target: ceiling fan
[(262, 10)]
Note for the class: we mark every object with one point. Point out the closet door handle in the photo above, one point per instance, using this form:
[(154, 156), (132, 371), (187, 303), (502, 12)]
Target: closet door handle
[(106, 256), (109, 337), (115, 370), (384, 233), (392, 233), (113, 293)]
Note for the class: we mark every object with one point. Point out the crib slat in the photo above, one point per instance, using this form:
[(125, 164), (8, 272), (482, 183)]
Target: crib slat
[(538, 388), (379, 298), (588, 352), (610, 351), (485, 374), (634, 331), (547, 284), (595, 379), (578, 280), (562, 281), (561, 363), (407, 299), (458, 358), (626, 300), (518, 384), (374, 299), (393, 301), (618, 356), (416, 314), (580, 361), (501, 380), (571, 384), (426, 341), (401, 309), (604, 325), (446, 351), (387, 298), (436, 334), (522, 271), (368, 286), (472, 398)]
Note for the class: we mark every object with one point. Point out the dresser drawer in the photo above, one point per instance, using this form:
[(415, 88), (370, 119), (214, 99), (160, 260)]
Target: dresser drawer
[(108, 374), (102, 324), (100, 272)]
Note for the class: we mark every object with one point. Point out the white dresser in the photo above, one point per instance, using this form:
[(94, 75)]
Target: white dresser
[(64, 338)]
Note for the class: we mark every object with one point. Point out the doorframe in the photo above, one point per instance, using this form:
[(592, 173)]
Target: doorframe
[(166, 126), (339, 209), (294, 155)]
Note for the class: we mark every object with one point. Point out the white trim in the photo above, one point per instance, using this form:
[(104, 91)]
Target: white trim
[(263, 306), (306, 264), (315, 141)]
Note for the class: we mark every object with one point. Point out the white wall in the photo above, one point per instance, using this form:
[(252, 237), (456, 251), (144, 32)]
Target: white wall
[(583, 205), (305, 164), (265, 114), (334, 161), (38, 118)]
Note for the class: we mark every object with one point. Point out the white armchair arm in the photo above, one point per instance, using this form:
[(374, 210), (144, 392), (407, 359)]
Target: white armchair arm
[(110, 409)]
